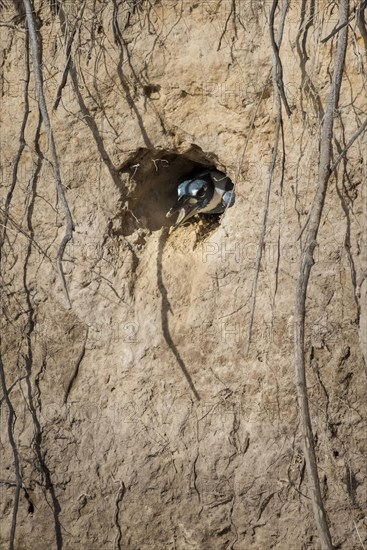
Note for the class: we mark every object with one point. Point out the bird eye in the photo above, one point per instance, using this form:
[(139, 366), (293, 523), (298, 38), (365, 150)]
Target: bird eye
[(201, 192)]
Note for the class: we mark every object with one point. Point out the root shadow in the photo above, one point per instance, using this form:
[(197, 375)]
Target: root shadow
[(165, 308)]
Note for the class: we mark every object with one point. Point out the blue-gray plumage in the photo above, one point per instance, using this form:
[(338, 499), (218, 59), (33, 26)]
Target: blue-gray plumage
[(209, 192)]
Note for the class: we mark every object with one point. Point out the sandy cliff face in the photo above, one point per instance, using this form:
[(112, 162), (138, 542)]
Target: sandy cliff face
[(160, 410)]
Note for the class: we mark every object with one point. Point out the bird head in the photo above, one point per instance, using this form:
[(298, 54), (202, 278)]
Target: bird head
[(193, 195)]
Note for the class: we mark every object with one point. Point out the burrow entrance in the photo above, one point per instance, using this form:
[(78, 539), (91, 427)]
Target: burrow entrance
[(154, 175)]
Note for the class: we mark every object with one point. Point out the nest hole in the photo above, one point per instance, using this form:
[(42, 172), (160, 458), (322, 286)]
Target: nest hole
[(155, 175)]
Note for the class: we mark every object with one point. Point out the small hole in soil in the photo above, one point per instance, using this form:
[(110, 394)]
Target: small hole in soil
[(155, 175), (151, 89)]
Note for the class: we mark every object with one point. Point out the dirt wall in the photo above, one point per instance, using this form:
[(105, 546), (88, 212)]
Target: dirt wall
[(160, 410)]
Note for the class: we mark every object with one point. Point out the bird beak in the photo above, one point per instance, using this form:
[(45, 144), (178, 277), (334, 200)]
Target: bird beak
[(185, 210)]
